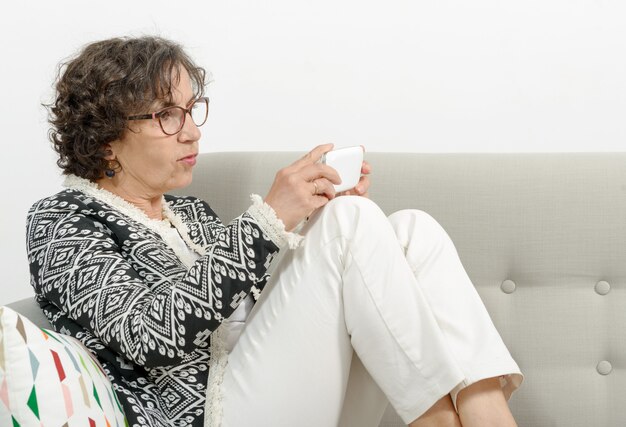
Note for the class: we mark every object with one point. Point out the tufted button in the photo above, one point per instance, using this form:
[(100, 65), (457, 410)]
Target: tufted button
[(602, 287), (508, 286), (604, 367)]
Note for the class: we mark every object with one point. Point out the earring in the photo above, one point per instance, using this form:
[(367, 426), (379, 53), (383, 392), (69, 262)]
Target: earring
[(111, 167)]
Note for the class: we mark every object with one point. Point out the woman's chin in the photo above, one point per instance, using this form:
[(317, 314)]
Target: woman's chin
[(187, 180), (179, 183)]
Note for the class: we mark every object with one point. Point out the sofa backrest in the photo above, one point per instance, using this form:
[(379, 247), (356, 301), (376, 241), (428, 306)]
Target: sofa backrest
[(541, 235)]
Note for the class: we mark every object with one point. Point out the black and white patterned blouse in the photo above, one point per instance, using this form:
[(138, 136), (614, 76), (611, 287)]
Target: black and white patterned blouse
[(106, 274)]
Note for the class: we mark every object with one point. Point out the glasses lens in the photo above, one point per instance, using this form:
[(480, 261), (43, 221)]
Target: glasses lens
[(200, 111), (171, 120)]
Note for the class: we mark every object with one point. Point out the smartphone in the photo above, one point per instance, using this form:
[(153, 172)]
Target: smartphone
[(347, 162)]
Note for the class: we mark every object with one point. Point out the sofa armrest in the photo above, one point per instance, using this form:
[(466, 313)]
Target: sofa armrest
[(29, 308)]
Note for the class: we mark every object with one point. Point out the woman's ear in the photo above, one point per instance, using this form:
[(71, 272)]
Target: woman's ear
[(108, 149)]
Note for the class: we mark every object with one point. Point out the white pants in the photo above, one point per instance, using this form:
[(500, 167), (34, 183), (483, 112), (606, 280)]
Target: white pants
[(388, 292)]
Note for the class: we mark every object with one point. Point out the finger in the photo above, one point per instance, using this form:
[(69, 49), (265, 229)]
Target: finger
[(325, 188), (316, 203), (363, 186), (312, 156), (361, 189), (316, 188), (320, 201), (319, 170), (366, 168)]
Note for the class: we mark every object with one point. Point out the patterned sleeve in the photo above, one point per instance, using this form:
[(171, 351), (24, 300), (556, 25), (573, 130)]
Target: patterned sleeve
[(79, 262)]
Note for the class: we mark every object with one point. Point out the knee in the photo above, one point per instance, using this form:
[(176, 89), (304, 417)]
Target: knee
[(353, 214), (412, 224), (416, 218), (352, 202), (355, 208)]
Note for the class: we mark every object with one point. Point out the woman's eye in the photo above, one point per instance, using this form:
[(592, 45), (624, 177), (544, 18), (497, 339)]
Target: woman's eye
[(165, 115)]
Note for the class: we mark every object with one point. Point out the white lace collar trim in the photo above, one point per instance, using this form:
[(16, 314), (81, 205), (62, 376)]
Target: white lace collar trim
[(160, 227)]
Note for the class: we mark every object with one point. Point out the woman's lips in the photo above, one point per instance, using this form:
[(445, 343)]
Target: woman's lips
[(189, 160)]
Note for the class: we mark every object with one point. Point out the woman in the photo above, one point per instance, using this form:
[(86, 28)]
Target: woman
[(160, 290)]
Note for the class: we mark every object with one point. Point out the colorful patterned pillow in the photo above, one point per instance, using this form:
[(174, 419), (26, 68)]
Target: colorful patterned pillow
[(50, 379)]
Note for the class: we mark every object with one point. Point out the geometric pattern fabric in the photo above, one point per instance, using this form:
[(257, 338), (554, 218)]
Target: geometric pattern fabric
[(49, 379), (106, 274)]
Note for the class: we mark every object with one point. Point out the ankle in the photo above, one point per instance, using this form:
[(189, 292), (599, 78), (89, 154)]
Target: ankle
[(441, 414), (483, 404)]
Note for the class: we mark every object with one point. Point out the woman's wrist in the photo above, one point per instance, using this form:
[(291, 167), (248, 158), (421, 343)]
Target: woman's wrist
[(272, 225)]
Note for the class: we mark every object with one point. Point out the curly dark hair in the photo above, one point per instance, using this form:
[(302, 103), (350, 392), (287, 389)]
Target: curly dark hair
[(105, 83)]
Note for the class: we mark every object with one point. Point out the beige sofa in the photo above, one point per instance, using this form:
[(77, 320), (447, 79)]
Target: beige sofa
[(541, 235)]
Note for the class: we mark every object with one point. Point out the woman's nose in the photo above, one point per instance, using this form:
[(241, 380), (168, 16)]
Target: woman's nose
[(190, 131)]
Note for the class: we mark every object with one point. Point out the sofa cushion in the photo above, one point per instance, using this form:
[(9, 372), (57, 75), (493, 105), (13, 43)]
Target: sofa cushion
[(47, 378)]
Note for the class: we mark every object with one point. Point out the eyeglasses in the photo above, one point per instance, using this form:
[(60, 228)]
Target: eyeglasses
[(172, 119)]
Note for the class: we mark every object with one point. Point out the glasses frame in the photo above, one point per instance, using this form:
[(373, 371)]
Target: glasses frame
[(157, 115)]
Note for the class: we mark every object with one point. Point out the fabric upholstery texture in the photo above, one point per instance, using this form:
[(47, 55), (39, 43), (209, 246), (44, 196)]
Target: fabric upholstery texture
[(49, 379)]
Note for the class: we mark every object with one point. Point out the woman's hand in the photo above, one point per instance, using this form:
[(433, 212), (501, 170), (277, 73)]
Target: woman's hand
[(302, 187), (362, 188)]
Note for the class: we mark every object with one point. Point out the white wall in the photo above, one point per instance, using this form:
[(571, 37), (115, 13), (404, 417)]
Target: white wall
[(439, 76)]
